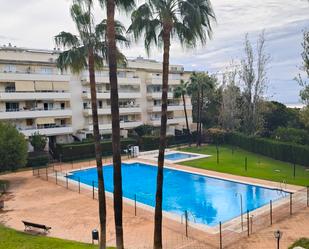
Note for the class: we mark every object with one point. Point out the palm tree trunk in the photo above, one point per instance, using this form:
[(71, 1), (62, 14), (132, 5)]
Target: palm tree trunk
[(186, 116), (158, 209), (198, 118), (98, 155), (112, 60)]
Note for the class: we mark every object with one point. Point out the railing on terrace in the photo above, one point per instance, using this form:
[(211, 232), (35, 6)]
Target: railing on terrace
[(33, 109), (222, 235), (36, 91), (32, 72), (45, 127)]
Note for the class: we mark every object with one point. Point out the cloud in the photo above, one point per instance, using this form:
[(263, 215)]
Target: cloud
[(34, 23)]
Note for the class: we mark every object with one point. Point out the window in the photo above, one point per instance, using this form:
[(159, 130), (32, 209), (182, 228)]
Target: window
[(11, 106), (48, 106), (121, 74), (85, 105), (62, 122), (62, 106), (10, 89), (100, 104), (10, 68), (46, 70), (29, 122)]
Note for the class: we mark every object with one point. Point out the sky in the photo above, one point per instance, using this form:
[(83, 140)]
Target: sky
[(34, 23)]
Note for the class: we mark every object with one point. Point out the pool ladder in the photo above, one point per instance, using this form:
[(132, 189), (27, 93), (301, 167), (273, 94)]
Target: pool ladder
[(189, 214)]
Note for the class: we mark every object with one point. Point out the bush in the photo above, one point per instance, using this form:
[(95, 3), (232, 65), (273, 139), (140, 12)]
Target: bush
[(152, 142), (216, 135), (37, 159), (13, 148), (291, 135), (144, 130), (38, 142), (83, 150), (287, 152)]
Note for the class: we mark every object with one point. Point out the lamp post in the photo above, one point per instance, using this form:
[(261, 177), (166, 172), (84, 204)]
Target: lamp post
[(278, 236), (241, 210)]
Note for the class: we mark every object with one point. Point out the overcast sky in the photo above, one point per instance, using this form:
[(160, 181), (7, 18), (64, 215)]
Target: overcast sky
[(33, 23)]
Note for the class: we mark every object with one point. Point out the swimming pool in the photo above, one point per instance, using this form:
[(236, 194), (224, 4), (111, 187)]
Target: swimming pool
[(209, 200), (178, 156)]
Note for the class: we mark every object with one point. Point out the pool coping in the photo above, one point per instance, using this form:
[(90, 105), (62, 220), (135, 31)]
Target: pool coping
[(232, 224), (153, 154)]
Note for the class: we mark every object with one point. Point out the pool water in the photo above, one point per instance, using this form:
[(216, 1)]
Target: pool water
[(208, 200), (178, 156)]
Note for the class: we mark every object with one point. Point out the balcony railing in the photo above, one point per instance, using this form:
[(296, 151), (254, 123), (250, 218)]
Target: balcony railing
[(33, 109), (49, 126), (32, 72)]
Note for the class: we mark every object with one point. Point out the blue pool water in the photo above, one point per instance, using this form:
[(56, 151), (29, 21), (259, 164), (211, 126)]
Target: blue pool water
[(178, 156), (209, 200)]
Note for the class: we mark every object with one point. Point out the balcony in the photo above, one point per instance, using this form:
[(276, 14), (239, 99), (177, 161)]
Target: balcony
[(54, 95), (157, 108), (106, 95), (122, 110), (158, 81), (123, 125), (158, 95), (52, 131), (170, 121), (33, 76), (105, 79), (34, 113)]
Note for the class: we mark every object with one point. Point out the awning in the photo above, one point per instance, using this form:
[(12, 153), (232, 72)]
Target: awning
[(24, 86), (61, 86), (43, 86), (40, 121)]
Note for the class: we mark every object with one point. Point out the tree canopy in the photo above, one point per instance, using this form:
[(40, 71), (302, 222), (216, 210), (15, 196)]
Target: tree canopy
[(13, 148)]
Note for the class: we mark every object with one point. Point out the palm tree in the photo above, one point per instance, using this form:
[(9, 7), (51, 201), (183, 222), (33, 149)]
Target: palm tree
[(200, 84), (88, 49), (159, 21), (179, 92), (111, 35)]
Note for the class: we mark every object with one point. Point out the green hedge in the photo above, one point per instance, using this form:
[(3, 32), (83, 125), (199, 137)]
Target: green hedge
[(275, 149), (152, 142), (83, 150), (36, 161)]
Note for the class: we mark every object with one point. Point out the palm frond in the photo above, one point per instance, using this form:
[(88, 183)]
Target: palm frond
[(66, 40)]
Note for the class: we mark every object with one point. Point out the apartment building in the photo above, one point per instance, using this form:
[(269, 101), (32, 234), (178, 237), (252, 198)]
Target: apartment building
[(36, 96)]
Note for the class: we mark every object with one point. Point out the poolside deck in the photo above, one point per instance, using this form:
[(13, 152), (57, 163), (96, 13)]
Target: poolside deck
[(73, 216)]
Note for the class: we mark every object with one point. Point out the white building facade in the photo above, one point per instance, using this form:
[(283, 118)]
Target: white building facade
[(36, 96)]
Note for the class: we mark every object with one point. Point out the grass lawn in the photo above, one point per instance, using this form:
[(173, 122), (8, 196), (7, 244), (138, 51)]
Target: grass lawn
[(303, 242), (12, 239), (257, 166)]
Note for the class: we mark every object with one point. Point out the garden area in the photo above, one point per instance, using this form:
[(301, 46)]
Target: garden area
[(232, 160), (11, 239)]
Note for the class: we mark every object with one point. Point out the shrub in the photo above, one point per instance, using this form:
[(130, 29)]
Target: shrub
[(37, 159), (13, 148), (144, 130), (287, 152), (38, 141), (216, 135), (292, 135)]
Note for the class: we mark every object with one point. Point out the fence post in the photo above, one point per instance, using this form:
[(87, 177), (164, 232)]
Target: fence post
[(248, 223), (291, 204), (46, 173), (186, 217), (56, 177), (135, 204), (307, 196), (67, 180), (220, 234), (79, 185), (93, 190), (294, 170), (246, 162), (271, 211)]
